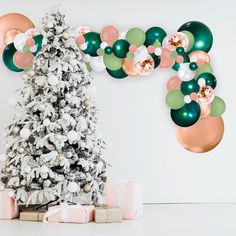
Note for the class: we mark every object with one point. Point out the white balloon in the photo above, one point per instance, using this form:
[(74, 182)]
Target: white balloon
[(141, 54), (185, 73), (97, 63), (20, 41)]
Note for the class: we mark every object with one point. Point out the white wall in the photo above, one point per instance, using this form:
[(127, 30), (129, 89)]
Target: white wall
[(135, 120)]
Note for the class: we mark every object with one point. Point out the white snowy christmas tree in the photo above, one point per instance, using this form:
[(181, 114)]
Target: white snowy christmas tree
[(52, 147)]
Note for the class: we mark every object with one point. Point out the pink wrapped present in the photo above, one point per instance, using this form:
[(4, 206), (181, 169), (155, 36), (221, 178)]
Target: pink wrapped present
[(8, 208), (127, 196), (70, 214)]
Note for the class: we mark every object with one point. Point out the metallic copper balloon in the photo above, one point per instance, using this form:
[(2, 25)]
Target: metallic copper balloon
[(203, 136), (10, 24), (128, 67)]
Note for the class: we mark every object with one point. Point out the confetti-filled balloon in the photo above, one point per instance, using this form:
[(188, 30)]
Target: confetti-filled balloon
[(187, 115)]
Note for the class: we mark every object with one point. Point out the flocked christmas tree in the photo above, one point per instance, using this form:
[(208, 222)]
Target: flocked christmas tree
[(52, 147)]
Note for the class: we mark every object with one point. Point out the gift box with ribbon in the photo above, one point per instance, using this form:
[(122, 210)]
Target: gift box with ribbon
[(126, 195), (31, 216), (106, 214), (65, 213), (8, 207)]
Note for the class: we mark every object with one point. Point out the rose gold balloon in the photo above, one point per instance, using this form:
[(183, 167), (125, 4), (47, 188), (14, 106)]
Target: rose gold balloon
[(109, 34), (173, 83), (205, 110), (10, 35), (200, 56), (203, 136), (23, 60), (166, 60), (12, 21), (129, 67)]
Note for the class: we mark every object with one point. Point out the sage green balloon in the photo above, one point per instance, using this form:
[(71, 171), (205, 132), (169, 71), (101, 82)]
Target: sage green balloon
[(175, 99), (190, 39), (112, 62), (217, 106), (203, 69), (7, 57), (136, 36), (203, 38)]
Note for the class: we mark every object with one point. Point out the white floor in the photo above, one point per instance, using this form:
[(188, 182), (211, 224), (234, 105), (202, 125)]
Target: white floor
[(159, 220)]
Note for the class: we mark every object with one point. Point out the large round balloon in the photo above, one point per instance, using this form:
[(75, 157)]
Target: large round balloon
[(8, 55), (209, 78), (38, 43), (202, 137), (203, 38), (175, 99), (120, 48), (128, 65), (109, 34), (136, 36), (112, 62), (118, 74), (10, 25), (188, 87), (154, 34), (187, 115), (93, 41)]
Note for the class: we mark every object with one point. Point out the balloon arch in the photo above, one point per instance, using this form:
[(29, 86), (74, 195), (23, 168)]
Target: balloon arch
[(194, 107)]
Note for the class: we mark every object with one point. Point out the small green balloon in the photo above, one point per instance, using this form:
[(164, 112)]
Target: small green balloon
[(217, 106), (190, 39), (136, 36), (154, 34), (157, 44), (93, 41), (209, 78), (108, 50), (193, 66), (175, 99), (130, 55), (121, 47), (26, 49), (100, 52), (188, 87), (38, 39), (203, 38), (118, 74), (203, 69), (7, 57), (156, 59), (187, 115), (112, 62)]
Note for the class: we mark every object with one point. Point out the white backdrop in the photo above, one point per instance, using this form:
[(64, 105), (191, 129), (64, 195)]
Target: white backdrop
[(135, 121)]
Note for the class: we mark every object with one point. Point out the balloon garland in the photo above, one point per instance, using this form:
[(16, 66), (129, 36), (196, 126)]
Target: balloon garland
[(191, 96)]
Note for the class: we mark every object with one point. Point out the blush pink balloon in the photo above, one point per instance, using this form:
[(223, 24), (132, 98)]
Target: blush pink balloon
[(201, 57), (173, 83), (109, 34), (205, 110), (166, 60), (30, 42), (23, 60)]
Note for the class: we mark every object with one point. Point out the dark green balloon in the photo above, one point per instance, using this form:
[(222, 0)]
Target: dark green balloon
[(7, 57), (93, 41), (108, 50), (118, 74), (38, 43), (121, 47), (187, 115), (209, 78), (203, 38), (156, 59), (154, 34), (188, 87)]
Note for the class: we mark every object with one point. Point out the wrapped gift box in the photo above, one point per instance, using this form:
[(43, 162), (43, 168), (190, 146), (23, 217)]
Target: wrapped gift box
[(107, 214), (8, 208), (126, 195), (70, 214), (31, 216)]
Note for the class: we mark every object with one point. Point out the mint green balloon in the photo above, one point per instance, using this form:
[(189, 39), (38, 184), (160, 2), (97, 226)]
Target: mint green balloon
[(175, 99), (136, 36), (203, 69), (217, 106), (112, 62)]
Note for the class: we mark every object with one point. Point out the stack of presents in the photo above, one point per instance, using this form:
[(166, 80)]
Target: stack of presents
[(122, 201)]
